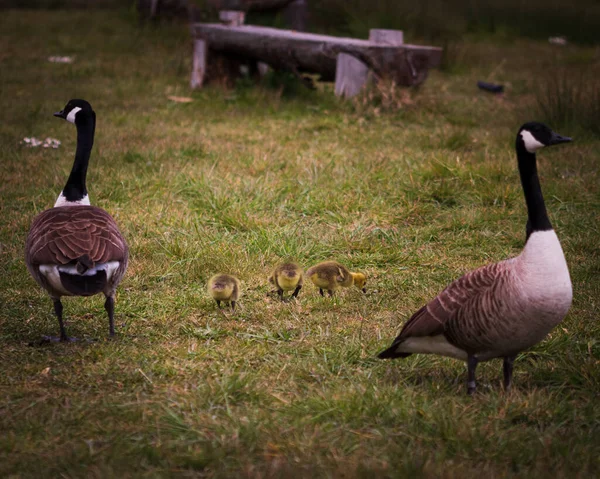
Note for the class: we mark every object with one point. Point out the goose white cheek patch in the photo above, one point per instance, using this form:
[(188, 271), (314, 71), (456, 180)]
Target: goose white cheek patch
[(72, 113), (531, 144)]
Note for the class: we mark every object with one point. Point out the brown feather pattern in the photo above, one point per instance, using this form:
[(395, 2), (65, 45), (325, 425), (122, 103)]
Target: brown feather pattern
[(64, 234), (467, 312)]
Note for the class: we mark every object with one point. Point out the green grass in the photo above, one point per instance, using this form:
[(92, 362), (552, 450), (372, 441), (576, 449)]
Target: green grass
[(413, 192)]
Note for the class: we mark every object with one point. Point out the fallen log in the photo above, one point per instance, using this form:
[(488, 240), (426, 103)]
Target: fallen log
[(298, 52)]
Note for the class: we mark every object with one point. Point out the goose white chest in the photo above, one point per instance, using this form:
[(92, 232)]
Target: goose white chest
[(544, 275)]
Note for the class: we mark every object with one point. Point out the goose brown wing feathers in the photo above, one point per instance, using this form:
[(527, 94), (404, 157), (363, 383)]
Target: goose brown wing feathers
[(64, 234), (431, 319)]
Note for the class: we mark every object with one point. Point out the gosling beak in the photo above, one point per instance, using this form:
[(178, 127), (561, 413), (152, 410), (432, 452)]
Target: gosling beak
[(557, 139), (60, 114), (364, 290)]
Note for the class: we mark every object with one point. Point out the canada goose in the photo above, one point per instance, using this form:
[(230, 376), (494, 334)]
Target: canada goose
[(331, 275), (75, 249), (503, 308), (287, 277), (224, 287)]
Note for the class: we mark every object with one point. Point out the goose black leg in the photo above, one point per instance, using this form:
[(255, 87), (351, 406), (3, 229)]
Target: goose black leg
[(471, 366), (232, 305), (109, 305), (218, 303), (508, 372), (296, 291), (58, 310), (321, 291), (280, 293), (330, 291)]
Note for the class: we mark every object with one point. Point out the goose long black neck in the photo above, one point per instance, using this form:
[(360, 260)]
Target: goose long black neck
[(75, 189), (537, 216)]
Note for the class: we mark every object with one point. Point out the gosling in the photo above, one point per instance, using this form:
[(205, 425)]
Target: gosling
[(224, 287), (287, 277), (331, 275)]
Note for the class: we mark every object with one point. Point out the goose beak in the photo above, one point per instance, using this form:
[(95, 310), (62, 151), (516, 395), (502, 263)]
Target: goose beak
[(557, 139), (60, 114)]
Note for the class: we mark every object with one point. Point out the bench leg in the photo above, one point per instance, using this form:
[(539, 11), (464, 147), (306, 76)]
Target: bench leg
[(198, 63), (350, 75)]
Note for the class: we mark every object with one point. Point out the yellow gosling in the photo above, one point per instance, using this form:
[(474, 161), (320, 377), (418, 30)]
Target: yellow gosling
[(224, 287), (287, 277), (360, 281), (331, 275)]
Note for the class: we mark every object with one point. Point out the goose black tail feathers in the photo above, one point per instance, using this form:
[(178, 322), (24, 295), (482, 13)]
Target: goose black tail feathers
[(84, 285), (392, 353), (84, 263)]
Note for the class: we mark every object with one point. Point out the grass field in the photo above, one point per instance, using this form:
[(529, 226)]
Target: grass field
[(413, 189)]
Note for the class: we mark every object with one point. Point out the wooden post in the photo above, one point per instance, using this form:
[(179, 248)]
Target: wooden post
[(198, 63), (393, 38), (296, 15), (351, 75), (153, 8), (263, 68), (200, 59), (232, 18)]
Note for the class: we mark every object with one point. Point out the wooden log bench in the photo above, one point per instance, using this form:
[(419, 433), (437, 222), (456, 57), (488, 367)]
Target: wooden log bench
[(347, 61)]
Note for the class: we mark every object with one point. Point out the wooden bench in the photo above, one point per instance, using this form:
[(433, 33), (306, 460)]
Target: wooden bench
[(347, 61)]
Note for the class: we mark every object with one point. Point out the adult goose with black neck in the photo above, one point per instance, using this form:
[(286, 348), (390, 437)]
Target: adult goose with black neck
[(500, 309), (75, 249)]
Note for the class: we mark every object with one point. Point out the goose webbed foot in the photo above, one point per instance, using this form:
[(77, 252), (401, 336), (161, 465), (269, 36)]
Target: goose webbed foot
[(44, 340), (54, 339), (508, 372), (471, 366)]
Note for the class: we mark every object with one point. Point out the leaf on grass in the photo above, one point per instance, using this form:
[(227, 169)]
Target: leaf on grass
[(180, 99)]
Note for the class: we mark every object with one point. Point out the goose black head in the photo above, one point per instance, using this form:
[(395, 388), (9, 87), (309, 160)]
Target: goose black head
[(74, 109), (533, 136)]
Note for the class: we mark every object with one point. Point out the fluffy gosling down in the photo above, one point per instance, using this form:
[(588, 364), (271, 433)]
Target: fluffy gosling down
[(331, 275), (224, 287), (503, 308), (287, 277)]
